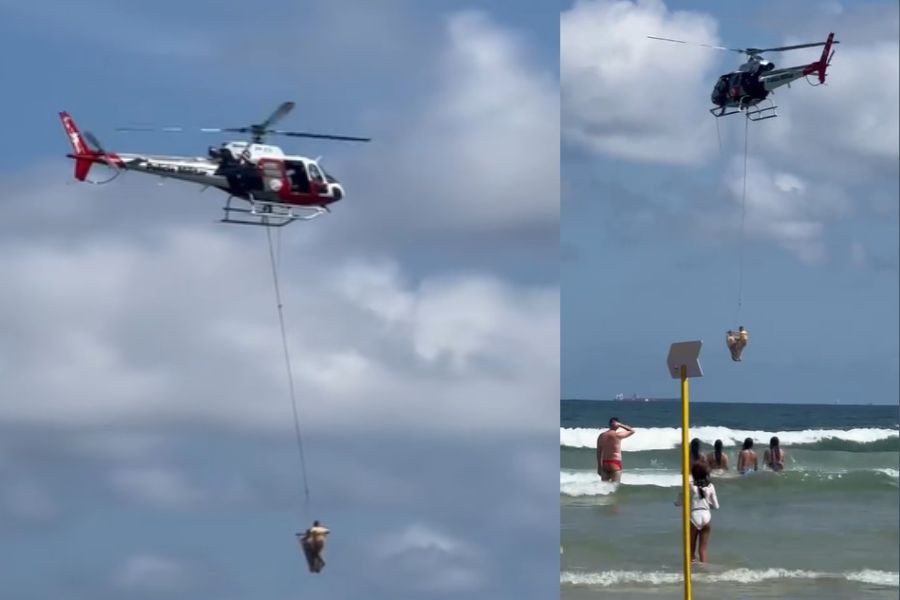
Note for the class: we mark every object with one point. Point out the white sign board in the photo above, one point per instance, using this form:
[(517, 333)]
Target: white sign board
[(687, 354)]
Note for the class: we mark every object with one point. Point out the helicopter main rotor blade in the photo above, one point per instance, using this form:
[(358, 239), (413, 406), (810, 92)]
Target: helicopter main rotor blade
[(276, 116), (653, 37), (151, 129), (320, 136), (783, 48)]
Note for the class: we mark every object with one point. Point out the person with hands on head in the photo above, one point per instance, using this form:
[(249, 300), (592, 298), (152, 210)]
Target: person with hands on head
[(609, 450)]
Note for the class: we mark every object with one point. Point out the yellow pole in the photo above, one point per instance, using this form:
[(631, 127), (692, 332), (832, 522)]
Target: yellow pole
[(685, 490)]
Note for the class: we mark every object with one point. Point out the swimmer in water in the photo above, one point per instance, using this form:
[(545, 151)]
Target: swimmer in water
[(747, 458), (695, 455), (703, 498), (773, 458), (609, 450), (717, 459)]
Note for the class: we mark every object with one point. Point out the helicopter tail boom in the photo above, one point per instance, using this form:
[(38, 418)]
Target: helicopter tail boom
[(84, 155), (821, 65)]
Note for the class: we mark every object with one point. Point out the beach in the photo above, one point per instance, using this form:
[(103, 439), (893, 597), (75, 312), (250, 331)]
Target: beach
[(826, 527)]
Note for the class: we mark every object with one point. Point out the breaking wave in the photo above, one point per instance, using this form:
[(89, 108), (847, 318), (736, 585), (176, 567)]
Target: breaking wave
[(664, 438)]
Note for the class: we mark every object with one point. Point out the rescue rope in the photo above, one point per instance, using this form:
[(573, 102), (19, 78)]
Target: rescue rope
[(743, 219), (719, 137), (287, 363)]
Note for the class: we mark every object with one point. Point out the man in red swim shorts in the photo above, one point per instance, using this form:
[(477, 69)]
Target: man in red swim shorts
[(609, 450)]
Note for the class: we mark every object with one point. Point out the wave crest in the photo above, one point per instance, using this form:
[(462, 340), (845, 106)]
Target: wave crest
[(665, 438)]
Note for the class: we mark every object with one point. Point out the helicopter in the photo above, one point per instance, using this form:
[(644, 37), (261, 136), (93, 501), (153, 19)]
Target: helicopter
[(754, 80), (274, 188)]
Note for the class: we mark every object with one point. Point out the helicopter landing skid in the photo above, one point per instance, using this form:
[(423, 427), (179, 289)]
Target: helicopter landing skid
[(754, 112), (758, 113), (269, 214), (719, 111)]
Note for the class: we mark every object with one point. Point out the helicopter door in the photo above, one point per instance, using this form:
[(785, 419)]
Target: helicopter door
[(275, 181), (296, 173)]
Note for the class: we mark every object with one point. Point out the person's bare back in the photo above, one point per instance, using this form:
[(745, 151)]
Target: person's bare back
[(609, 450)]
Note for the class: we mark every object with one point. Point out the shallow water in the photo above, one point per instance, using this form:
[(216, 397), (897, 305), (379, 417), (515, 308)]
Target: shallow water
[(827, 527)]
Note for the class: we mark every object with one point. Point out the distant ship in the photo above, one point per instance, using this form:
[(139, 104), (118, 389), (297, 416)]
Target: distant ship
[(634, 398)]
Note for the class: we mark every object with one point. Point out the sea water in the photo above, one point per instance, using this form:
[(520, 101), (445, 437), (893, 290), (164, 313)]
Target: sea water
[(826, 527)]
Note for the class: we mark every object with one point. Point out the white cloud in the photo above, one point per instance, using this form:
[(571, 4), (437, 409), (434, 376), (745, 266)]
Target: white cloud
[(781, 207), (483, 150), (627, 96), (429, 561), (184, 327), (847, 131)]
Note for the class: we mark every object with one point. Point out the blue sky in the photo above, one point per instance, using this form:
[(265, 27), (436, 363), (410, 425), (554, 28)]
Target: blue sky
[(147, 446), (650, 219)]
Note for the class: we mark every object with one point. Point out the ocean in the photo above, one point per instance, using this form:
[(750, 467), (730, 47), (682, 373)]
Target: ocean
[(825, 528)]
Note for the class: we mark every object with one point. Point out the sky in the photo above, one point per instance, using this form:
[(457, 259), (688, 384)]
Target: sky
[(651, 237), (146, 441)]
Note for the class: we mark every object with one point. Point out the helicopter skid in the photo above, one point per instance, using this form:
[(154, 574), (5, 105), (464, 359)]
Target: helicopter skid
[(757, 113), (717, 112), (269, 214), (754, 112)]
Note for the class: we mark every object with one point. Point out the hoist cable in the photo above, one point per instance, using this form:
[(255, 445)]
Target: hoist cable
[(740, 299), (287, 362)]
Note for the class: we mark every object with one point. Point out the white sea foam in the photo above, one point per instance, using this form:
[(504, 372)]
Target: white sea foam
[(610, 578), (587, 483), (663, 438), (890, 472)]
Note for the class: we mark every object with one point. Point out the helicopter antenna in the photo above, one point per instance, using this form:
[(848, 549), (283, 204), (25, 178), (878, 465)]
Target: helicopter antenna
[(259, 131)]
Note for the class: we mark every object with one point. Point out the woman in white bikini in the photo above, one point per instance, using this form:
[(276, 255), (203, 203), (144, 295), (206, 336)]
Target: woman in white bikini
[(703, 498)]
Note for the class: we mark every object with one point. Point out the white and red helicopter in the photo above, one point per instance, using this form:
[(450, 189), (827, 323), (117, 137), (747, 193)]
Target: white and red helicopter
[(275, 188), (754, 80)]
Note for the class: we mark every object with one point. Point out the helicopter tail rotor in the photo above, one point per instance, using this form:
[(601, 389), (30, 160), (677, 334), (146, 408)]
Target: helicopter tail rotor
[(825, 59), (87, 151)]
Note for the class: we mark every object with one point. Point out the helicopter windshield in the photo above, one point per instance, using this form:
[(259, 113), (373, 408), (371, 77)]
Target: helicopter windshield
[(315, 174)]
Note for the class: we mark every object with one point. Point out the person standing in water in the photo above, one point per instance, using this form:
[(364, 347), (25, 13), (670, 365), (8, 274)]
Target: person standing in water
[(695, 454), (703, 498), (747, 458), (717, 459), (774, 456), (609, 450)]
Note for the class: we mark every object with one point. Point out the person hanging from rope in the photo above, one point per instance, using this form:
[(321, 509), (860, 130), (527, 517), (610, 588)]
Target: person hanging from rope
[(313, 543), (736, 343)]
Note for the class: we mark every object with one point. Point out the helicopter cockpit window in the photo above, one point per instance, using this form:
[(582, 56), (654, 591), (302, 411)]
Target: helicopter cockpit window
[(314, 174)]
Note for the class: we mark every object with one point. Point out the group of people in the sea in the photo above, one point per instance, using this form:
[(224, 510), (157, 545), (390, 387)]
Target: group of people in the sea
[(717, 460), (702, 467)]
